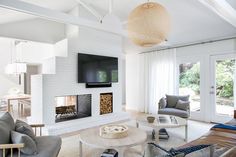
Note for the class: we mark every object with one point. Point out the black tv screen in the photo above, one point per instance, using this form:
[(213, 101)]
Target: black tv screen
[(97, 69)]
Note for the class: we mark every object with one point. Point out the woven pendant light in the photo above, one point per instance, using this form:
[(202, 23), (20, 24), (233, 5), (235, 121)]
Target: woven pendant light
[(148, 24)]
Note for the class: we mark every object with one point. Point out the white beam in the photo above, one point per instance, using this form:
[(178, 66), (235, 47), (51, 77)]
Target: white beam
[(53, 15), (110, 6), (223, 9), (91, 10)]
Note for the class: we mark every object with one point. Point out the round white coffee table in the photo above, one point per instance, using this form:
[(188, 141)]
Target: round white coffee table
[(163, 121), (91, 138)]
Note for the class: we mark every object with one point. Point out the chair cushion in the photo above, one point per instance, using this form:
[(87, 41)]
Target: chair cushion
[(47, 146), (174, 112), (182, 105), (173, 99), (6, 126), (24, 128), (30, 147)]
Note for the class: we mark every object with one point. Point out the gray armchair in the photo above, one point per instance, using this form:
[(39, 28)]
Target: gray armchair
[(175, 105), (45, 146)]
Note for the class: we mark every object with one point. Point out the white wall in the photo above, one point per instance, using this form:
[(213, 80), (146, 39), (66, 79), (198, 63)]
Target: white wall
[(37, 29), (35, 52), (132, 82), (64, 82), (29, 52), (203, 51), (6, 81)]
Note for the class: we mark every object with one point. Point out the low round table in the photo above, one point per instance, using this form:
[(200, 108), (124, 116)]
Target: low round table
[(91, 138), (163, 121)]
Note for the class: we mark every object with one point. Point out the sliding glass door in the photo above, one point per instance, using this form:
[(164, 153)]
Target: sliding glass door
[(190, 83), (222, 88)]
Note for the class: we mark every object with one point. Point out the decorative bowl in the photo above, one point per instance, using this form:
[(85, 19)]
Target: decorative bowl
[(114, 131), (150, 119)]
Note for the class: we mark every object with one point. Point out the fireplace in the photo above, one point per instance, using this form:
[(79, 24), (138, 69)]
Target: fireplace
[(106, 103), (72, 107)]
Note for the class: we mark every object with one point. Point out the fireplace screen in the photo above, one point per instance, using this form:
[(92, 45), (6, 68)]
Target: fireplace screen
[(72, 107)]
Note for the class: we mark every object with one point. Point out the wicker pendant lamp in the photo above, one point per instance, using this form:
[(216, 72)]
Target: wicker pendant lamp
[(148, 24)]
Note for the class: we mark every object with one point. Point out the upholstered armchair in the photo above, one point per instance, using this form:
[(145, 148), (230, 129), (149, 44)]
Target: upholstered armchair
[(175, 105), (18, 139)]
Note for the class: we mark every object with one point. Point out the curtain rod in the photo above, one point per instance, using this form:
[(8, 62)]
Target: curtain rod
[(187, 45)]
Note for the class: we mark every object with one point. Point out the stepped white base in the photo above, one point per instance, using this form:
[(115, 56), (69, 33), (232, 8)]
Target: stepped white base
[(84, 123)]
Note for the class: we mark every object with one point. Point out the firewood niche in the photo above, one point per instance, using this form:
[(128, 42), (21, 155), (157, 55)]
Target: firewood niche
[(106, 103)]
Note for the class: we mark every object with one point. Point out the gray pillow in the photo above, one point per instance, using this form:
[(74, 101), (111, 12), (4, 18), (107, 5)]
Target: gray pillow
[(173, 99), (182, 105), (24, 128), (6, 126), (162, 103), (30, 147)]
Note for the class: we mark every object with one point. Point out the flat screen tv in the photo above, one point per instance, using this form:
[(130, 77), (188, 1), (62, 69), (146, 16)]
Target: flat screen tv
[(97, 69)]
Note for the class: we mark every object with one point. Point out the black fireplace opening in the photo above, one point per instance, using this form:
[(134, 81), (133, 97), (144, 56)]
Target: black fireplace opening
[(72, 107)]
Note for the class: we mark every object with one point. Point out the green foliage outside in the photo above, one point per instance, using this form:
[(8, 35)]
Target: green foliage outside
[(225, 78), (190, 78)]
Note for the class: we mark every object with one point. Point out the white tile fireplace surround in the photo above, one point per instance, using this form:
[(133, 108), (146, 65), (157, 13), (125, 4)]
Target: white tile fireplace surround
[(46, 113), (61, 79)]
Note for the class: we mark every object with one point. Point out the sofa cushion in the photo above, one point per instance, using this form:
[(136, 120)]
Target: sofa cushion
[(24, 128), (6, 126), (47, 146), (173, 99), (174, 112), (30, 147), (182, 105)]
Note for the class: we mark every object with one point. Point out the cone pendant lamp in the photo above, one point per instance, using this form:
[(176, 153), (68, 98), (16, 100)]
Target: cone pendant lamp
[(148, 24)]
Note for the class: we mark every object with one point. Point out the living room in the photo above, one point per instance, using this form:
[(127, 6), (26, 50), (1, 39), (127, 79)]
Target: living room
[(117, 78)]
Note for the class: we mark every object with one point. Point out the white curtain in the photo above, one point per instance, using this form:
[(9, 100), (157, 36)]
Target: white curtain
[(157, 78)]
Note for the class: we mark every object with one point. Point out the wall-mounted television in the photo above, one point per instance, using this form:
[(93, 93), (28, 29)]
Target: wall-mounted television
[(97, 69)]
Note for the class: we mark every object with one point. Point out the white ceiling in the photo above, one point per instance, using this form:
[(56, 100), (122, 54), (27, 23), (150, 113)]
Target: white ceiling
[(232, 3), (191, 20), (8, 16)]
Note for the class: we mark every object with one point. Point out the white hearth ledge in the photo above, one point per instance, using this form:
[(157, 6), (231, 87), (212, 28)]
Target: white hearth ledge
[(84, 123)]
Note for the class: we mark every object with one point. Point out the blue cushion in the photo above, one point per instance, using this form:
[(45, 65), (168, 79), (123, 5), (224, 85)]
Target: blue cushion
[(225, 126)]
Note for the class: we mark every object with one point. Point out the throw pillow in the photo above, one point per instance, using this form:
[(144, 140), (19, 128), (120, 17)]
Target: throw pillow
[(24, 128), (6, 126), (162, 103), (30, 147), (182, 105), (172, 100)]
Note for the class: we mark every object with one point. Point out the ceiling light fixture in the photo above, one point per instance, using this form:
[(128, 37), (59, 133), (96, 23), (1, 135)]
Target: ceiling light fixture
[(148, 24)]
